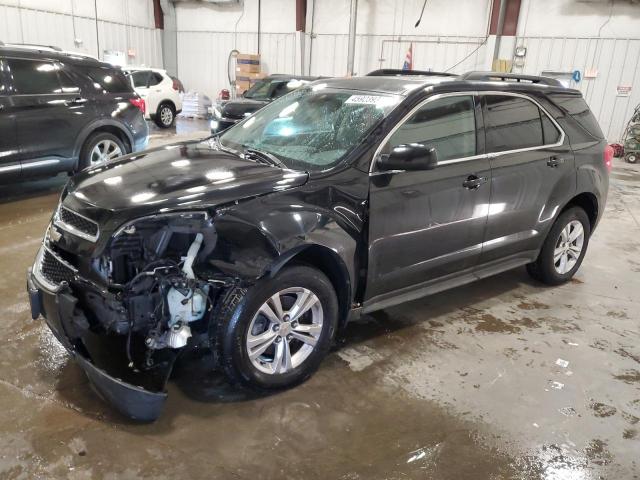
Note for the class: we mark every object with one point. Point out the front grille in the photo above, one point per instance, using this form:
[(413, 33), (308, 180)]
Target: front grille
[(77, 224), (54, 269)]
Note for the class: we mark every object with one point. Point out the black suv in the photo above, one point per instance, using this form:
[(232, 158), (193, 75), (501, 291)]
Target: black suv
[(227, 113), (343, 197), (61, 112)]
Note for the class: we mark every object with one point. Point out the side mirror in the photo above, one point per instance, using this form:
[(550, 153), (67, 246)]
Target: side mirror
[(413, 156)]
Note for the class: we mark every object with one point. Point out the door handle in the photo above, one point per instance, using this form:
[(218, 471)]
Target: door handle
[(75, 101), (555, 162), (473, 182)]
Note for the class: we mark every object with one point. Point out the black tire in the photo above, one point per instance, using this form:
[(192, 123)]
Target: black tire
[(236, 312), (631, 157), (544, 269), (91, 142), (169, 112)]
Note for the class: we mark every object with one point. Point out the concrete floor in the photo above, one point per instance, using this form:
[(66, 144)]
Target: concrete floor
[(500, 379)]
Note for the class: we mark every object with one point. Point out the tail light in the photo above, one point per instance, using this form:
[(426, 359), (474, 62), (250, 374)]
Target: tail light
[(176, 85), (139, 103), (608, 157), (224, 94)]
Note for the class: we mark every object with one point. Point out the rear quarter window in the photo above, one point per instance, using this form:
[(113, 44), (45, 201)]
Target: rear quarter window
[(575, 106)]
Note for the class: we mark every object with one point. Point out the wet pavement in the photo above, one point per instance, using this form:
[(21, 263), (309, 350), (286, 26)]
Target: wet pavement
[(505, 378)]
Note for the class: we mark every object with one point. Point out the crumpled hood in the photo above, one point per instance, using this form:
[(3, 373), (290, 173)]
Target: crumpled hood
[(187, 175)]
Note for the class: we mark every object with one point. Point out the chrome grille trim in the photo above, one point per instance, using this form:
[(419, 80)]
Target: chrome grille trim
[(41, 276), (73, 229)]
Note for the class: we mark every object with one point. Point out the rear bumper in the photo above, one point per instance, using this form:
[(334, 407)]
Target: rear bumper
[(65, 320)]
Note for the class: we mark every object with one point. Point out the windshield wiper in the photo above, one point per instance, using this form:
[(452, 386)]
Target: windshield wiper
[(264, 157)]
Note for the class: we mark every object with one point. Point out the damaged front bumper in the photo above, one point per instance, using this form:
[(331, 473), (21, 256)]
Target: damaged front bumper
[(137, 395)]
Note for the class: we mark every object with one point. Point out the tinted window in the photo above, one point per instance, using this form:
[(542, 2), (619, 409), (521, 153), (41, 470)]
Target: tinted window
[(3, 88), (579, 110), (275, 88), (154, 79), (448, 124), (67, 83), (107, 79), (33, 77), (512, 123), (140, 78), (549, 131)]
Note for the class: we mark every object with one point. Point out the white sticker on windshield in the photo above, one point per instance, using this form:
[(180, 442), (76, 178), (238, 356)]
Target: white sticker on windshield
[(364, 99)]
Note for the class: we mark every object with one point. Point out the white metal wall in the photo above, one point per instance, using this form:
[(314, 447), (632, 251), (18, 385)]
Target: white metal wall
[(439, 53), (617, 61), (203, 56), (45, 26)]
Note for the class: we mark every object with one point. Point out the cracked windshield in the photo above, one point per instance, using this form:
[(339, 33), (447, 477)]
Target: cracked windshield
[(312, 128)]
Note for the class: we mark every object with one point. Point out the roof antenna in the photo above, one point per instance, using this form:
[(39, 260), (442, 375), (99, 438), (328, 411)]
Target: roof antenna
[(421, 13)]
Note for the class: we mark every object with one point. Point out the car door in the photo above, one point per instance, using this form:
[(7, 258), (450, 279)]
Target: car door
[(9, 148), (140, 80), (425, 226), (50, 114), (532, 175)]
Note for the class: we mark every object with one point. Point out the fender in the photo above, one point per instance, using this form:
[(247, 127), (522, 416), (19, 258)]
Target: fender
[(259, 237), (91, 127)]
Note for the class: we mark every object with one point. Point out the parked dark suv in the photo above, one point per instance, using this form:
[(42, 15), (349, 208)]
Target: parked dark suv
[(343, 197), (227, 113), (61, 112)]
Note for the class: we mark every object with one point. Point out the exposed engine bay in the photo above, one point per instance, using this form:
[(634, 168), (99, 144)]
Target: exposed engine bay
[(155, 303)]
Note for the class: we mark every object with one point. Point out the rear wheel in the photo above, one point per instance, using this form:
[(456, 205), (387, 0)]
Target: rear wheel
[(165, 115), (100, 147), (631, 157), (275, 334), (563, 249)]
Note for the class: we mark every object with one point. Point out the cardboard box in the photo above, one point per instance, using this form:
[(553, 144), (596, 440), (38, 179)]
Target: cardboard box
[(248, 58), (249, 76), (248, 68), (247, 63)]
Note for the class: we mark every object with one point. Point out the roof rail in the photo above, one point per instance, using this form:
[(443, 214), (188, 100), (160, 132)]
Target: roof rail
[(396, 72), (33, 46), (504, 77)]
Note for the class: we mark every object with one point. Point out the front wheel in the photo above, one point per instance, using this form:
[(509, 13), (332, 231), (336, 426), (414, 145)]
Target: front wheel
[(631, 157), (275, 334), (563, 249)]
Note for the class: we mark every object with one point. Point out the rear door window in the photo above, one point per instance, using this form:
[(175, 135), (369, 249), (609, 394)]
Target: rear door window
[(448, 124), (33, 77), (107, 79), (3, 86), (512, 123), (67, 83), (140, 78)]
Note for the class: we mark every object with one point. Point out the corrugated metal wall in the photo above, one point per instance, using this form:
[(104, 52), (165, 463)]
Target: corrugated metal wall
[(617, 61), (29, 25), (438, 53), (203, 56)]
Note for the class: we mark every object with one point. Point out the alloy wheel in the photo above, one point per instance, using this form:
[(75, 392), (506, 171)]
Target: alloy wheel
[(285, 330), (166, 116), (568, 247), (103, 151)]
